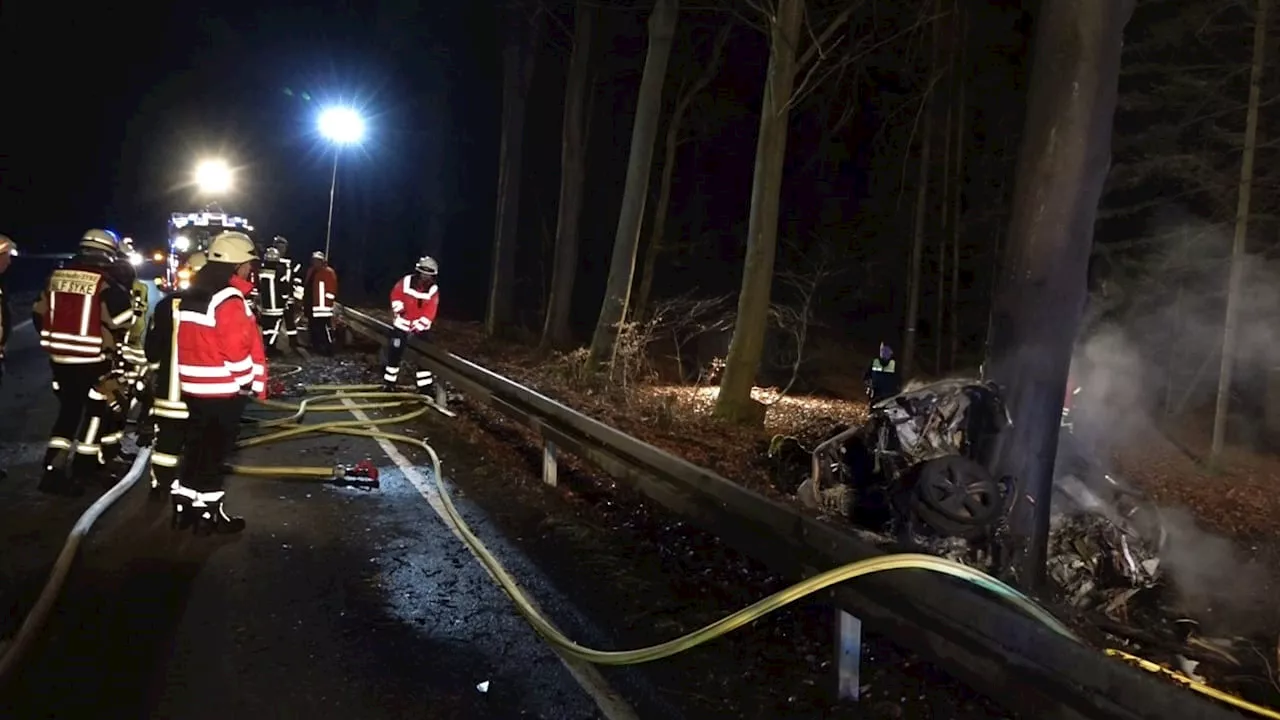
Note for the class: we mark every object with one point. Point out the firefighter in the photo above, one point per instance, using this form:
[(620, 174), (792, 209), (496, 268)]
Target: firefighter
[(119, 388), (78, 315), (289, 277), (7, 250), (414, 300), (272, 298), (321, 291), (166, 421), (134, 352), (881, 377), (220, 363)]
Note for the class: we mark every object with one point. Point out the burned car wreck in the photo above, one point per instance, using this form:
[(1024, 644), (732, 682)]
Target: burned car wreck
[(916, 474)]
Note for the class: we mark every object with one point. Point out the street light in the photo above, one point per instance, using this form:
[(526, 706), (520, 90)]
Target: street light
[(213, 177), (341, 126)]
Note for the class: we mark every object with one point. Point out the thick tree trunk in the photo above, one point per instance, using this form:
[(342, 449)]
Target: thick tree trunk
[(734, 401), (909, 337), (657, 234), (518, 57), (1062, 165), (622, 266), (957, 194), (573, 162), (1223, 405)]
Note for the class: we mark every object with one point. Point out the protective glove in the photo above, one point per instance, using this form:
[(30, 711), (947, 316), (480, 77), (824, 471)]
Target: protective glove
[(421, 325), (297, 293)]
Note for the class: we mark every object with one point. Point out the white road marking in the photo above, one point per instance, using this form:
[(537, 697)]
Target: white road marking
[(588, 677)]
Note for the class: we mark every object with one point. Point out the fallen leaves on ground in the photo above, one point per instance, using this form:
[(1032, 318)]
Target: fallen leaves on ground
[(675, 418)]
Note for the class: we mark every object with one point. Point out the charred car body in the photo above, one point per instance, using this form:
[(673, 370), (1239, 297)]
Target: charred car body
[(917, 473)]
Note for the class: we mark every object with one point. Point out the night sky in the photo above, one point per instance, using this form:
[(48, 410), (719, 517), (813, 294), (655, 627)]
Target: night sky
[(111, 110)]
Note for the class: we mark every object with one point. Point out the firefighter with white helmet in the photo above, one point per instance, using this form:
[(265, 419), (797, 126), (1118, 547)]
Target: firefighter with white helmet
[(321, 293), (216, 363), (79, 315), (273, 298), (414, 300), (289, 278)]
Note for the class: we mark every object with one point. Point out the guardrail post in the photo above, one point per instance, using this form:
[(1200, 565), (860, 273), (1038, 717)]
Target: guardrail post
[(442, 397), (549, 463), (848, 656)]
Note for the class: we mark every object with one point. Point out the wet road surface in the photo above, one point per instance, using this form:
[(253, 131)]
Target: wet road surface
[(335, 603), (342, 603)]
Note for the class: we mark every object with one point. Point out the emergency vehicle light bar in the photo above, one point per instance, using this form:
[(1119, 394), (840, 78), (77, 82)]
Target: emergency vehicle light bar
[(201, 219)]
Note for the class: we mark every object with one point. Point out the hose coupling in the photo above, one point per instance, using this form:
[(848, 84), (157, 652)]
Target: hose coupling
[(363, 475)]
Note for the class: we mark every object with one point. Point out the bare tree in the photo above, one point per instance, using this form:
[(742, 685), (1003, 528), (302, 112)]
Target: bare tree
[(524, 26), (1062, 167), (784, 20), (1222, 406), (573, 162), (657, 233), (798, 317), (622, 265)]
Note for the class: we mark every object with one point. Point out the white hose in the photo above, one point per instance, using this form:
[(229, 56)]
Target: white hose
[(12, 652)]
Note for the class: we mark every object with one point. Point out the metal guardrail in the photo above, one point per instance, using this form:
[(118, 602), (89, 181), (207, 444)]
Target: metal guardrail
[(995, 649)]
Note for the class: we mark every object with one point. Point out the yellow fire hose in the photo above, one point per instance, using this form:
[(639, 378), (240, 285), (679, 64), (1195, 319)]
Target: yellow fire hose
[(291, 426)]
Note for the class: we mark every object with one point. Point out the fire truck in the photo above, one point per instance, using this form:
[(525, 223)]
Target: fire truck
[(192, 232)]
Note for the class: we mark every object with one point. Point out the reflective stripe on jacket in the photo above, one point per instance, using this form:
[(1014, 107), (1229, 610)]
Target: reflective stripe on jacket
[(414, 310), (220, 351)]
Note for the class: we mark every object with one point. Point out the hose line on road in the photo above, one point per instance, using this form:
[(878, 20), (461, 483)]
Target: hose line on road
[(335, 394), (291, 426), (12, 653)]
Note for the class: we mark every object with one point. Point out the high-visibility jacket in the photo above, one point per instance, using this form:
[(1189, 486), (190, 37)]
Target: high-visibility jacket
[(133, 349), (414, 309), (289, 276), (272, 292), (81, 313), (322, 290), (162, 359), (220, 351)]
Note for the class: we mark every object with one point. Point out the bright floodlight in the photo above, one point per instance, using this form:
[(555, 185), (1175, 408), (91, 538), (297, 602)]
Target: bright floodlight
[(342, 125), (213, 176)]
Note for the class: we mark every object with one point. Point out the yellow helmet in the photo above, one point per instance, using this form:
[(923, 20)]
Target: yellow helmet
[(197, 261), (233, 248)]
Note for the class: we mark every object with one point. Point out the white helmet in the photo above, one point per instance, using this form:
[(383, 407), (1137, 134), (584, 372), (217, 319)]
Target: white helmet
[(427, 265), (7, 245), (233, 248), (100, 240), (317, 255), (271, 254)]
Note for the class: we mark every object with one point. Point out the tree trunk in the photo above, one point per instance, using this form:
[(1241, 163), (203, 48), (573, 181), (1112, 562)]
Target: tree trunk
[(1229, 329), (909, 338), (622, 266), (657, 236), (573, 161), (734, 401), (957, 194), (1062, 165), (518, 57), (943, 243)]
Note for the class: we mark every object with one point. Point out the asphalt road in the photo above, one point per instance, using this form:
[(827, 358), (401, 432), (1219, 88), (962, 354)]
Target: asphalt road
[(335, 602), (342, 603)]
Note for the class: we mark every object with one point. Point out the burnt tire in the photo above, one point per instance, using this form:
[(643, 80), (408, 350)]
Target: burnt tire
[(956, 496)]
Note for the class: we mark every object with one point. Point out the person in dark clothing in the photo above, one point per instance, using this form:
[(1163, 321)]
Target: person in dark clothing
[(881, 378)]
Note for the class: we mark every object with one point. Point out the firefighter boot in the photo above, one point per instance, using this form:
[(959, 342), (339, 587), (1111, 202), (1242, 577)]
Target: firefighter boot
[(213, 518), (183, 500)]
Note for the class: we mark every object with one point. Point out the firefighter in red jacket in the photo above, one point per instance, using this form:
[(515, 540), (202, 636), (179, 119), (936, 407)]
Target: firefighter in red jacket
[(79, 315), (414, 300), (320, 294), (220, 364)]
